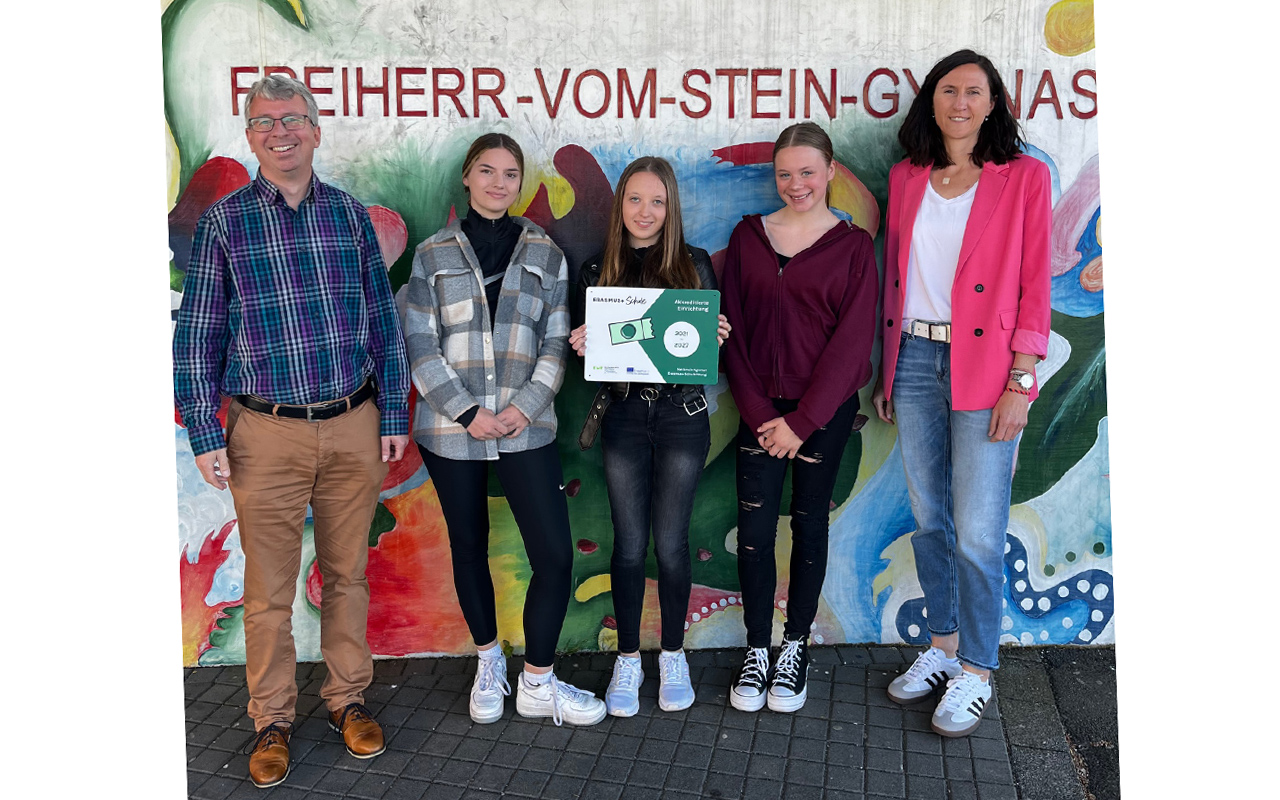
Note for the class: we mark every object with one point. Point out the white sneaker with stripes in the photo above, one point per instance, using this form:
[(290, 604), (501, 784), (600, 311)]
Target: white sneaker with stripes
[(930, 672), (960, 710)]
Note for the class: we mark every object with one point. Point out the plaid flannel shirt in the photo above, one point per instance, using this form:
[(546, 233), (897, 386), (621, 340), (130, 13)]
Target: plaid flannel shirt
[(291, 306), (458, 361)]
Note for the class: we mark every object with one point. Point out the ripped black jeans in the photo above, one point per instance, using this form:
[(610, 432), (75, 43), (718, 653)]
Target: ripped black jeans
[(813, 479)]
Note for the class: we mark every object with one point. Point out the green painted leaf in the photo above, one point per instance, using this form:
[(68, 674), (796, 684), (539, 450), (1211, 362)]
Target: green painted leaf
[(383, 522), (226, 628), (1062, 423), (295, 11)]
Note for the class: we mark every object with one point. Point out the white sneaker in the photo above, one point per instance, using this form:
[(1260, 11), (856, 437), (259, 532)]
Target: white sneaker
[(560, 701), (930, 671), (748, 690), (490, 689), (622, 698), (961, 708), (675, 693)]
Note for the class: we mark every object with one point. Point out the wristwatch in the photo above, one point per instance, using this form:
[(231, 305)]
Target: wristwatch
[(1024, 379)]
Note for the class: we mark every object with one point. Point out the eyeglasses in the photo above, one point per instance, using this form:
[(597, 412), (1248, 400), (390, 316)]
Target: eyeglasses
[(292, 122)]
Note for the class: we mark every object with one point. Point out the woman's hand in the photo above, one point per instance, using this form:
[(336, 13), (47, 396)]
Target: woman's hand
[(514, 419), (1009, 416), (722, 331), (487, 425), (578, 340), (777, 438), (882, 404)]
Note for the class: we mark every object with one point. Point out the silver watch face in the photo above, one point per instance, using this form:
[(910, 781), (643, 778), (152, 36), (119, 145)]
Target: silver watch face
[(1027, 381)]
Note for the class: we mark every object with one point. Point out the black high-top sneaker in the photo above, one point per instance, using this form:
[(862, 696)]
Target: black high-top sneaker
[(787, 692), (748, 690)]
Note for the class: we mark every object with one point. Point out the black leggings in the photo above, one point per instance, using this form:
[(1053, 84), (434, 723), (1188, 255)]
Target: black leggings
[(532, 482)]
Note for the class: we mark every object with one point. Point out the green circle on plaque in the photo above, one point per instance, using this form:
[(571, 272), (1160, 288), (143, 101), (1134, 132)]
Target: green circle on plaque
[(628, 330)]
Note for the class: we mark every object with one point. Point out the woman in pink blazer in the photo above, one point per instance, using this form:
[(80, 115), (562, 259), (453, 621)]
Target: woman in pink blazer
[(966, 318)]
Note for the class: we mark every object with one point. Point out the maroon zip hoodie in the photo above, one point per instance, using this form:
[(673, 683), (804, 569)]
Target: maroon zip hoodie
[(800, 333)]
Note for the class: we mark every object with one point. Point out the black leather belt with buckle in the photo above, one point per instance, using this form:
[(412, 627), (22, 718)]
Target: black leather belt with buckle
[(311, 413), (688, 396)]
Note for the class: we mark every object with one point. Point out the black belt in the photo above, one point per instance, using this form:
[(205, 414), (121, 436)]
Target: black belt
[(688, 395), (311, 413), (691, 397)]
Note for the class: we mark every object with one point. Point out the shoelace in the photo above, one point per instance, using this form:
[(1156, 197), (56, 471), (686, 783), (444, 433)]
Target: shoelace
[(674, 670), (961, 691), (788, 670), (924, 666), (268, 736), (627, 675), (572, 695), (356, 711), (487, 677), (756, 668)]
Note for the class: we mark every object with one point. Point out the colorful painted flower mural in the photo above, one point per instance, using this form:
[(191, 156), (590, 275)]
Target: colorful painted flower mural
[(405, 169)]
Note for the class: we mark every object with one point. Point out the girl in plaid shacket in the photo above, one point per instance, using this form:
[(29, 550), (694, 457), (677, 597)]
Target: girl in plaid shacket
[(486, 327)]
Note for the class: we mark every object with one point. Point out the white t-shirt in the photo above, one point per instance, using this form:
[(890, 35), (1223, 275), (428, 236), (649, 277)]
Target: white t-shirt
[(935, 253)]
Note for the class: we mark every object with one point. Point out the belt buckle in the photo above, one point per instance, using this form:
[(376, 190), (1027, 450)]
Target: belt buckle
[(944, 336), (309, 410), (699, 404), (649, 393)]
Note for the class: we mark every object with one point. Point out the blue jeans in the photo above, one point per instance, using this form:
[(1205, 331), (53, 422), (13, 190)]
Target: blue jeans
[(959, 483), (654, 451)]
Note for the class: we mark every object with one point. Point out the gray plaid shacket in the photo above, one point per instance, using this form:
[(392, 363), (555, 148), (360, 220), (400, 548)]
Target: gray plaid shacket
[(458, 362)]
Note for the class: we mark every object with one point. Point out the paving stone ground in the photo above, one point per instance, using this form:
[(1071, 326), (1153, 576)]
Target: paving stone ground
[(848, 742)]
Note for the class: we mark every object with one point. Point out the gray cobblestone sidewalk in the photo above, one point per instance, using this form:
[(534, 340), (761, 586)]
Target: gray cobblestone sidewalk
[(849, 740)]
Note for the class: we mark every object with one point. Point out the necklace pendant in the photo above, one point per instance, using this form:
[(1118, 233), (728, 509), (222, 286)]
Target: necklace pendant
[(945, 181)]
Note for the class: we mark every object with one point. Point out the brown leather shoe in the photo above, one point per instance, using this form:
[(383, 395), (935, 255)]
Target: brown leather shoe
[(360, 732), (269, 756)]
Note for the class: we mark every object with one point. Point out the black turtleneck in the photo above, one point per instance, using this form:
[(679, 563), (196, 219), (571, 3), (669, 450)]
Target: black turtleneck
[(493, 240)]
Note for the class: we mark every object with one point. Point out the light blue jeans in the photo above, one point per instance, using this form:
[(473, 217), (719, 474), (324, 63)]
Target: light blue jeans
[(959, 482)]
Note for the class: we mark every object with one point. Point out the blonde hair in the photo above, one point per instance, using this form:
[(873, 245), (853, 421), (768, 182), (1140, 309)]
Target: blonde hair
[(807, 134)]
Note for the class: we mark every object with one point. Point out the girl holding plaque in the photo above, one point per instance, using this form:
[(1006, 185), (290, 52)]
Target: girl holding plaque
[(486, 326), (800, 286), (655, 436)]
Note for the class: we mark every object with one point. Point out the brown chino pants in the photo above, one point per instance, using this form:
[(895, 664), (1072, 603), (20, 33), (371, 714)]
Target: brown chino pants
[(278, 466)]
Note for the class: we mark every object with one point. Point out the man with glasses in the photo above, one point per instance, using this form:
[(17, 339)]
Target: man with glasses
[(287, 310)]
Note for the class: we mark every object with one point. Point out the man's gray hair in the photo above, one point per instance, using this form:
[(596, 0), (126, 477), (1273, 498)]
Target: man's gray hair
[(281, 87)]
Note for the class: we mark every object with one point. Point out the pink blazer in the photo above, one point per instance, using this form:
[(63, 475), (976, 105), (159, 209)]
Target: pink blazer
[(1000, 298)]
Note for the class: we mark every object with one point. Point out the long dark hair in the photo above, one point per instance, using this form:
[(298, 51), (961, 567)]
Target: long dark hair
[(999, 139), (668, 264)]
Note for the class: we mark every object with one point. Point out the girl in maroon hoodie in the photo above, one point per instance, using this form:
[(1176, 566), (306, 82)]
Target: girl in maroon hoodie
[(800, 289)]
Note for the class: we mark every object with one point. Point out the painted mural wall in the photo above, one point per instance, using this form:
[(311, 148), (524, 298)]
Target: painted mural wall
[(585, 87)]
